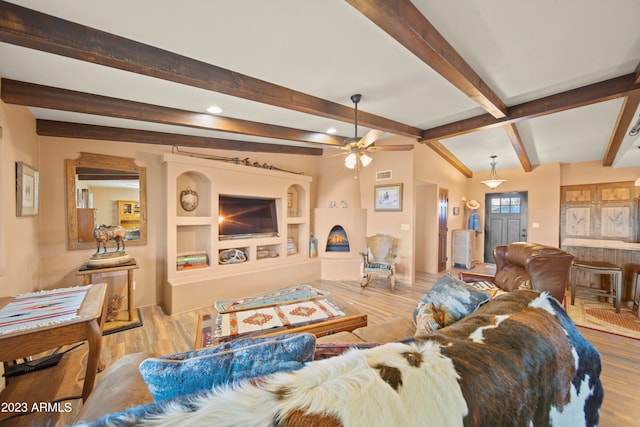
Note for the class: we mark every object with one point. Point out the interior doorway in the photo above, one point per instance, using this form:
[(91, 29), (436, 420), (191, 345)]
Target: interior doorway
[(505, 220), (426, 228), (443, 207)]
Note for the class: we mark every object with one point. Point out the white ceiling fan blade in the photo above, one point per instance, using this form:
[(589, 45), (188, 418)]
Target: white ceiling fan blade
[(405, 147), (370, 137)]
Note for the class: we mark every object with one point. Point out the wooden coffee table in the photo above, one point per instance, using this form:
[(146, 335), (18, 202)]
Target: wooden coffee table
[(352, 319)]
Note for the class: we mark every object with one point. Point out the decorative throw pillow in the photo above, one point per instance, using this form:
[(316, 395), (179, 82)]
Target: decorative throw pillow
[(448, 301), (189, 372)]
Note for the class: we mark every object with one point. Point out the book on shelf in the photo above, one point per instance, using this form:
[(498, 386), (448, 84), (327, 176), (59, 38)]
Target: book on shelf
[(184, 262), (191, 266)]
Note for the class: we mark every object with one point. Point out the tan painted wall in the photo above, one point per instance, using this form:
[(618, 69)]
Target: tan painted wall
[(20, 263), (592, 173), (34, 255), (432, 172)]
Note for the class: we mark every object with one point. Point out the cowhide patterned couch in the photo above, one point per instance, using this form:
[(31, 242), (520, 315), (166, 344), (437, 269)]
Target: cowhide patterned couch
[(518, 360)]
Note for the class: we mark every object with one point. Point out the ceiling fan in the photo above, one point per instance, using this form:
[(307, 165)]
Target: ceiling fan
[(358, 147)]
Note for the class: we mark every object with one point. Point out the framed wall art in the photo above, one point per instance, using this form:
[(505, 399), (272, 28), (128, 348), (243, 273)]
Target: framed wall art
[(388, 197), (27, 182)]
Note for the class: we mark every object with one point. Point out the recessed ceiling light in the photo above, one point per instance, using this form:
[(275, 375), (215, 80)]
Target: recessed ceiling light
[(214, 109), (331, 130)]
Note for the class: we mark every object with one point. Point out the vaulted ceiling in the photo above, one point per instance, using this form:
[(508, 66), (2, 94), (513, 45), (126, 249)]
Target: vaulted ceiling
[(531, 82)]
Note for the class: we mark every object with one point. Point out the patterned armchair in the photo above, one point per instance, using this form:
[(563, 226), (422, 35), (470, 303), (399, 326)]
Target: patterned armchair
[(378, 259)]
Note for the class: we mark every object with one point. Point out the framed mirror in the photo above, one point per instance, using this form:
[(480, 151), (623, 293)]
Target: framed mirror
[(106, 190)]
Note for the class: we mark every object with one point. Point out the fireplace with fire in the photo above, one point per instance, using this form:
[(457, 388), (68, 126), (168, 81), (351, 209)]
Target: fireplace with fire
[(341, 236), (337, 240)]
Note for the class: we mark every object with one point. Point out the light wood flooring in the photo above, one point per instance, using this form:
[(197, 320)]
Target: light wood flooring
[(170, 334)]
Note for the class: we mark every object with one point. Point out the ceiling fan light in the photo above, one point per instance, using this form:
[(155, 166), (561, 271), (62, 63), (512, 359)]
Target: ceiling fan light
[(365, 160), (350, 161)]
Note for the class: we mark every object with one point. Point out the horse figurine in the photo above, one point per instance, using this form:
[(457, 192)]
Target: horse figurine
[(104, 233)]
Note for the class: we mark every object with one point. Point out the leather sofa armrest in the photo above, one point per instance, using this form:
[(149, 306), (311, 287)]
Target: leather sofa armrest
[(550, 273), (500, 256), (475, 277)]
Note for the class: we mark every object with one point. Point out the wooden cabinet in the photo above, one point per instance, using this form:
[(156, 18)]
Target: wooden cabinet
[(86, 224), (129, 214), (599, 211)]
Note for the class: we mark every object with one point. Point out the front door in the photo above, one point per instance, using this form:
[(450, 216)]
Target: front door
[(443, 205), (506, 220)]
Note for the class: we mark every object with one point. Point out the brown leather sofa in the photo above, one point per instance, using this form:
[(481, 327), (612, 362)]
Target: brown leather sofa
[(524, 265)]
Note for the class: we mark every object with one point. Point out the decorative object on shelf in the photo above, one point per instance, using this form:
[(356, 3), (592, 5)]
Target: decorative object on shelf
[(493, 180), (291, 246), (262, 252), (388, 197), (231, 256), (332, 204), (237, 160), (313, 246), (189, 199), (343, 204), (104, 233), (27, 183), (110, 259)]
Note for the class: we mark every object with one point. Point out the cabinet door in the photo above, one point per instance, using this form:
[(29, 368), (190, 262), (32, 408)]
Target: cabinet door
[(577, 211), (86, 224), (599, 211)]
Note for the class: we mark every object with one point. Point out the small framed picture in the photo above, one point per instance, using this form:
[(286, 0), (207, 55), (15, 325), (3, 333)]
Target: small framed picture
[(456, 211), (388, 197), (27, 182)]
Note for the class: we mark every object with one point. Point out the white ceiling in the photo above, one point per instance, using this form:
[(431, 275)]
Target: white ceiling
[(522, 49)]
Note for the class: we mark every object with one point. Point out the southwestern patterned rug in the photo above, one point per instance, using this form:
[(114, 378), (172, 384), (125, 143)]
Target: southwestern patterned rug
[(280, 296), (602, 316)]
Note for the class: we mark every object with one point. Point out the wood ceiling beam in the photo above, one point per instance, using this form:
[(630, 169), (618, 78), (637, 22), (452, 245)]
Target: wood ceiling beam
[(450, 158), (404, 22), (518, 146), (638, 74), (597, 92), (625, 117), (107, 133), (33, 95), (25, 27)]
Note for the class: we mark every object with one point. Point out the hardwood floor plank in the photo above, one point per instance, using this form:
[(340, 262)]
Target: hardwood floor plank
[(165, 334)]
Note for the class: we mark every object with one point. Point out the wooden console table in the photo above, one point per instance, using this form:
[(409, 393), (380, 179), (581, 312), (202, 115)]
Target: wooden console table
[(88, 271), (87, 326)]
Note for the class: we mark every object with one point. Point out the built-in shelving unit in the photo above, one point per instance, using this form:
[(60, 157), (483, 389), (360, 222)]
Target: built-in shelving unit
[(234, 267)]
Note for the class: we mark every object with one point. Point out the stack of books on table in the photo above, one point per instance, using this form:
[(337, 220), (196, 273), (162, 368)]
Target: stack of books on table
[(185, 262)]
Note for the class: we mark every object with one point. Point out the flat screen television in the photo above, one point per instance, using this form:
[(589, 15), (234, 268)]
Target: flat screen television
[(246, 217)]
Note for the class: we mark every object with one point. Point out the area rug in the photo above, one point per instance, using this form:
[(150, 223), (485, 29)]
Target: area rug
[(123, 325), (290, 294), (602, 316)]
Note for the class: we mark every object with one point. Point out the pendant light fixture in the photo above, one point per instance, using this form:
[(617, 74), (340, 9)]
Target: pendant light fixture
[(493, 180)]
